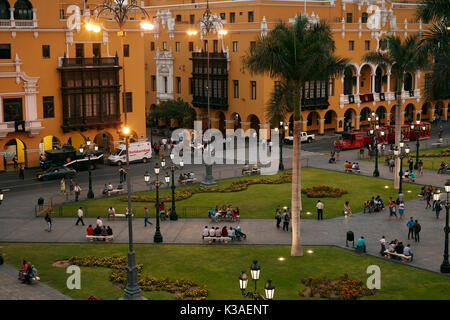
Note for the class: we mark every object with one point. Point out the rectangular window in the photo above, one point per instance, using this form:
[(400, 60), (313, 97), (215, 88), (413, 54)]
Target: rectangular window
[(252, 45), (164, 45), (216, 45), (165, 85), (129, 101), (152, 46), (191, 46), (253, 86), (12, 109), (331, 87), (250, 16), (178, 18), (205, 45), (367, 45), (232, 17), (5, 51), (96, 50), (45, 51), (235, 46), (349, 18), (178, 84), (351, 45), (79, 50), (61, 14), (177, 46), (222, 16), (192, 19), (49, 107), (153, 83), (236, 88), (126, 50)]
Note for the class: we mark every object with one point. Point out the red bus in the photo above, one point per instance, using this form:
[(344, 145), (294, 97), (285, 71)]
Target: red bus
[(350, 140), (423, 134), (408, 134), (382, 138)]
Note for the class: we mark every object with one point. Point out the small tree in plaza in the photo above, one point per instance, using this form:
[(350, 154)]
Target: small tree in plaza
[(295, 54), (177, 110)]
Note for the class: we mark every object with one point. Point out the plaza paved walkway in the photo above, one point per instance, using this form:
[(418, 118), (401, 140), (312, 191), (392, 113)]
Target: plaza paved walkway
[(13, 289)]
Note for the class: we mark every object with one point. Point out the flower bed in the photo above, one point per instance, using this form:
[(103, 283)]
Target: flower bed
[(322, 191), (235, 186), (343, 288), (443, 153), (183, 289)]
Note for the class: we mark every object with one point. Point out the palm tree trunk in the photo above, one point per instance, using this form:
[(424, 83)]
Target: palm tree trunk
[(296, 247), (398, 130)]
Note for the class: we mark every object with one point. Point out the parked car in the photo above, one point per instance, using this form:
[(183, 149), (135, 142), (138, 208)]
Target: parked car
[(138, 151), (57, 172), (304, 136)]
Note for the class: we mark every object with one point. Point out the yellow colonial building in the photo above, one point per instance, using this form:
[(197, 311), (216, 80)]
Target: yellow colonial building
[(176, 62), (60, 83)]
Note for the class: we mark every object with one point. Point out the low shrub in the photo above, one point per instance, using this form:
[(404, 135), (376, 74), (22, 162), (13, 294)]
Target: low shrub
[(322, 191)]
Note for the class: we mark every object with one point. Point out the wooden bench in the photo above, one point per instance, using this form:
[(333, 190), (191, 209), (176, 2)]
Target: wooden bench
[(217, 239), (106, 238), (188, 181), (357, 171), (404, 258), (115, 191), (122, 215)]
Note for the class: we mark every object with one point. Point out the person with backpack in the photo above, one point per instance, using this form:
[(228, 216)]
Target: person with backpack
[(416, 228), (278, 217), (286, 217), (410, 225)]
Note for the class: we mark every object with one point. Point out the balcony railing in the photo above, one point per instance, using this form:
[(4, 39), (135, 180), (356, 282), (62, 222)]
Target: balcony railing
[(89, 62)]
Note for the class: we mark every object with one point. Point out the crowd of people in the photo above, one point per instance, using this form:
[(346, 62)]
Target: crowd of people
[(233, 233), (351, 166), (395, 246), (99, 230), (27, 272), (225, 212), (285, 217), (374, 205)]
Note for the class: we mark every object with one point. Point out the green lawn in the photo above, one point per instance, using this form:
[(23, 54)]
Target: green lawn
[(218, 268), (430, 163), (260, 201)]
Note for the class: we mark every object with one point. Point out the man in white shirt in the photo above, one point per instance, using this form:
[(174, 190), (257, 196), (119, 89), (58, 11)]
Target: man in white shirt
[(80, 216), (205, 232), (319, 207), (112, 212), (218, 232), (212, 232), (99, 222)]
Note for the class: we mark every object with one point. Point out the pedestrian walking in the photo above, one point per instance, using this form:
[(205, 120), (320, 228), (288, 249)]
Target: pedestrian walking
[(286, 217), (391, 164), (22, 172), (401, 209), (278, 217), (347, 209), (63, 186), (80, 214), (77, 190), (428, 198), (48, 219), (319, 207), (338, 151), (392, 209), (417, 227), (438, 208), (410, 164), (121, 174), (71, 186), (146, 217), (420, 168), (410, 225)]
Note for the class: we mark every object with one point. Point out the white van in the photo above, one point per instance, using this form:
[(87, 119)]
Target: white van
[(138, 151)]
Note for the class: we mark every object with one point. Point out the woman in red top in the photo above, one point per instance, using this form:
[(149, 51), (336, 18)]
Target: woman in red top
[(89, 230), (224, 232)]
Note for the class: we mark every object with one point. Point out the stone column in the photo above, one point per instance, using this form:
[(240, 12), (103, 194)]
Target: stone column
[(388, 118), (388, 89), (431, 113), (214, 123), (444, 113), (341, 121), (357, 122), (229, 125), (321, 127), (357, 84), (372, 83), (245, 127), (264, 131)]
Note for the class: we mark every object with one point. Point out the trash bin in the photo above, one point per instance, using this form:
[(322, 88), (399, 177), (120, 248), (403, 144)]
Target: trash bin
[(40, 203), (351, 238), (361, 153)]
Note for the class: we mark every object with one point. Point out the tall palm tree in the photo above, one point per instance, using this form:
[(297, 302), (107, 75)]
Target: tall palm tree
[(400, 58), (429, 10), (296, 53), (280, 103)]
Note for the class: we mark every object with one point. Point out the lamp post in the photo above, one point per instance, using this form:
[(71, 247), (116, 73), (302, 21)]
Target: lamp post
[(132, 290), (209, 23), (243, 281), (172, 168), (418, 128), (120, 11), (398, 152), (445, 266), (157, 183), (1, 196), (375, 133), (89, 151)]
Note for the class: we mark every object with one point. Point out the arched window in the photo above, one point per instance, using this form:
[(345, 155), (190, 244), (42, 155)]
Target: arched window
[(4, 10), (382, 44), (378, 80), (408, 82), (23, 10), (348, 81)]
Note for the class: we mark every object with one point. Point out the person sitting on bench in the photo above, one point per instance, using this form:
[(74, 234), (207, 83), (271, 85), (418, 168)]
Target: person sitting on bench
[(181, 178), (224, 231), (23, 269), (231, 233), (205, 232), (104, 232), (407, 251), (361, 244), (89, 230), (356, 166), (212, 232), (97, 231), (380, 201), (399, 248), (349, 167), (109, 231), (218, 232), (443, 168)]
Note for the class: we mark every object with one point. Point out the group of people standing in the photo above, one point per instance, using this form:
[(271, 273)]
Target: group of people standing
[(285, 217), (73, 188)]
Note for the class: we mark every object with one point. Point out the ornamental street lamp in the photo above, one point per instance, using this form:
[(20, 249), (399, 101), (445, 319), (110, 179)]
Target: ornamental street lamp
[(418, 129), (400, 153), (375, 133), (445, 266), (282, 129), (132, 290), (157, 183), (243, 281), (209, 23), (120, 11), (172, 168), (89, 152)]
